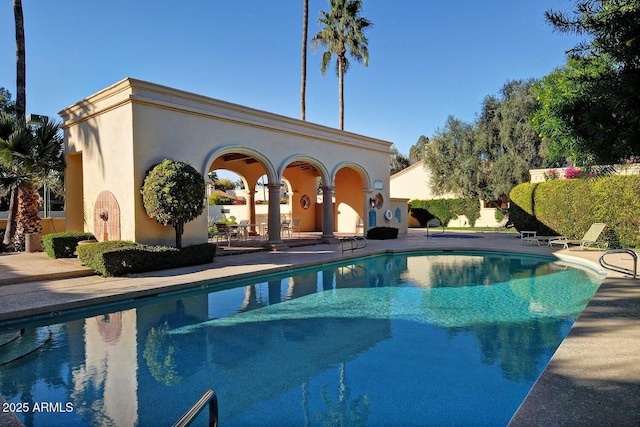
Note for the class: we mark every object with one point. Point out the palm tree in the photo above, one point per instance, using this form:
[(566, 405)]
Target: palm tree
[(21, 74), (303, 86), (29, 158), (343, 32)]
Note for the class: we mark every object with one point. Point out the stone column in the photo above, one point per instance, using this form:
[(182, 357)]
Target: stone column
[(327, 213), (274, 214), (251, 208)]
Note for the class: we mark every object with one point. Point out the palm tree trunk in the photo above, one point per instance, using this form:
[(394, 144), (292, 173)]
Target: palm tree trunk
[(341, 90), (21, 73), (303, 87), (11, 219), (27, 214)]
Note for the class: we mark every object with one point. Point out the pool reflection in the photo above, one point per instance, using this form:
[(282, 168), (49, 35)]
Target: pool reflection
[(120, 367)]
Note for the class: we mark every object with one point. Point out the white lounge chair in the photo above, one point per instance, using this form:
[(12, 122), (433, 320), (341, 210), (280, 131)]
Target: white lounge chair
[(590, 238)]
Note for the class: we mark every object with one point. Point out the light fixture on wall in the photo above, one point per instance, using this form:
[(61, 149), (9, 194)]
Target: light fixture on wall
[(372, 202)]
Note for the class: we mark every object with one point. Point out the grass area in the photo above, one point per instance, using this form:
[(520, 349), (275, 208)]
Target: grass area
[(470, 229)]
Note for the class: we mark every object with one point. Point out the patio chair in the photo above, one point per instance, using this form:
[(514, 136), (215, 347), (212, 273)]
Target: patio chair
[(295, 225), (285, 227), (223, 230), (590, 238)]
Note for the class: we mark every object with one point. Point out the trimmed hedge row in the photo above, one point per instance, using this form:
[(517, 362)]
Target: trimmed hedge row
[(118, 258), (569, 207), (445, 210), (63, 245)]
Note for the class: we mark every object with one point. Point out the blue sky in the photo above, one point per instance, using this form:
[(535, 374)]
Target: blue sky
[(428, 58)]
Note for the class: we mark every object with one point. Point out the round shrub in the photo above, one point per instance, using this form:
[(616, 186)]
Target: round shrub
[(173, 194)]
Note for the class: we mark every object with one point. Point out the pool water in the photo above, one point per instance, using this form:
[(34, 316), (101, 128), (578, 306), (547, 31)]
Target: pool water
[(415, 339)]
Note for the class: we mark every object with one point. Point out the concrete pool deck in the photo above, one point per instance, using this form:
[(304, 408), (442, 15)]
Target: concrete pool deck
[(592, 379)]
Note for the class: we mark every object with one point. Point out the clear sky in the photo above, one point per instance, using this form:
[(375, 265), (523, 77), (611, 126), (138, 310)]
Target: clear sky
[(428, 58)]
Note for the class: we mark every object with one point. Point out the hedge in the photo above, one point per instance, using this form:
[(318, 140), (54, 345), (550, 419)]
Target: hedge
[(445, 210), (118, 258), (569, 207), (63, 245), (382, 233)]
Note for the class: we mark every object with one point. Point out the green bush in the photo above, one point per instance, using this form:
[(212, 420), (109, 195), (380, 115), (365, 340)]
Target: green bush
[(422, 215), (446, 209), (63, 245), (382, 233), (221, 199), (569, 207), (117, 258)]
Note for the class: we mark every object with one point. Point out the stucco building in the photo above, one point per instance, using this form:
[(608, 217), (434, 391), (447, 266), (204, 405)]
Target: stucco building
[(115, 136), (414, 183)]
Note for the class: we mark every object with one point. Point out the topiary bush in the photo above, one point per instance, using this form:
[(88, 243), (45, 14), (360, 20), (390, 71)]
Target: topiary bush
[(63, 245), (118, 258), (173, 194), (382, 233)]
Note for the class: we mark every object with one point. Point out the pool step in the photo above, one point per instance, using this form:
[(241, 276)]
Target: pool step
[(19, 343)]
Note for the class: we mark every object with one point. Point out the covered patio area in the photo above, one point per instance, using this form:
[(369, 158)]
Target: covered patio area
[(337, 182)]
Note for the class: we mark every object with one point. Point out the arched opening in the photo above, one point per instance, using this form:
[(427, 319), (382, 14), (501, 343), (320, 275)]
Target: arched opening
[(350, 190), (306, 180)]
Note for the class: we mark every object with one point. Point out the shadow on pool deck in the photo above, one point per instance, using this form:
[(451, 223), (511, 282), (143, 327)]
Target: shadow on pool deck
[(592, 379)]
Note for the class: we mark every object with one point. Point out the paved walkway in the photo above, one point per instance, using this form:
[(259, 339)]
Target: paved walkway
[(593, 378)]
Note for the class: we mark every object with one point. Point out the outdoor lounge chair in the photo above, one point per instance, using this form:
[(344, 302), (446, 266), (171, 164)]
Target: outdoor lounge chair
[(590, 237)]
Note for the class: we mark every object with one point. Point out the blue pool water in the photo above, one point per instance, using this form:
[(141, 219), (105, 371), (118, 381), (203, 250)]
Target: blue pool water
[(417, 339)]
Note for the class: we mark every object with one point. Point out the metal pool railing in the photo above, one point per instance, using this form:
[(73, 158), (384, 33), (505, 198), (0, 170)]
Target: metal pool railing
[(355, 242), (209, 397), (617, 268)]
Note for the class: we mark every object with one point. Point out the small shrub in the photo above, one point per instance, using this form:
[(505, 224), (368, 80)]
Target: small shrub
[(382, 233), (63, 245), (551, 175), (221, 199), (118, 258)]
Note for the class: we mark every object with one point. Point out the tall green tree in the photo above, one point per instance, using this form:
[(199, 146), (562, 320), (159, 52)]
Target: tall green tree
[(487, 158), (416, 151), (453, 160), (6, 104), (29, 158), (21, 67), (561, 97), (398, 161), (342, 35), (603, 112), (506, 140), (303, 84)]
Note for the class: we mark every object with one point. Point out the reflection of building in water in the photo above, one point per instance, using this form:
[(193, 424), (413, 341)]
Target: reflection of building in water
[(107, 381), (430, 271)]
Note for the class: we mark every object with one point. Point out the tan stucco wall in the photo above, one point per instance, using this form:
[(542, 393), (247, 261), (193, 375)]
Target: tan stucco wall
[(125, 129), (413, 183)]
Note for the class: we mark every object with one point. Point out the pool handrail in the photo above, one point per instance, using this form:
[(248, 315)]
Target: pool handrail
[(210, 398), (355, 241), (616, 268)]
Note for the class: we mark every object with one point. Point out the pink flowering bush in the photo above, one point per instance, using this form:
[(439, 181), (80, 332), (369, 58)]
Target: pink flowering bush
[(550, 175), (572, 173)]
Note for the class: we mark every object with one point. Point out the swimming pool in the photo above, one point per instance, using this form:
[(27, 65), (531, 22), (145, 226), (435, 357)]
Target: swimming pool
[(413, 339)]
